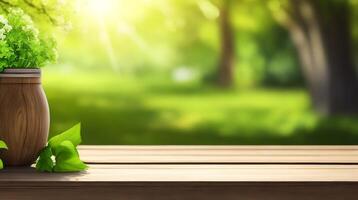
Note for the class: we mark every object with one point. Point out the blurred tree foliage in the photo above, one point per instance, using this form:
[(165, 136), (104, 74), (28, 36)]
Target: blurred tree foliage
[(160, 36), (47, 13), (142, 37), (322, 34)]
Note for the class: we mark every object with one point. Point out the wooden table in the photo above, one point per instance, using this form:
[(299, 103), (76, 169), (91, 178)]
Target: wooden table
[(197, 173)]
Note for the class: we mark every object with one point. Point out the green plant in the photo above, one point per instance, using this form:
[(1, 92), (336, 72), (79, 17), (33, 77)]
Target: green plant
[(2, 146), (21, 44), (63, 149)]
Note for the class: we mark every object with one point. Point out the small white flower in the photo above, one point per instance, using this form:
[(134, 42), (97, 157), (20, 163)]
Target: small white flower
[(31, 29), (24, 28), (16, 11), (3, 20), (7, 28), (2, 34), (27, 19)]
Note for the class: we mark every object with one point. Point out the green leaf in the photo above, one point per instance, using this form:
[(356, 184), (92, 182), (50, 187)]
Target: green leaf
[(45, 162), (63, 148), (67, 158), (73, 135), (3, 145)]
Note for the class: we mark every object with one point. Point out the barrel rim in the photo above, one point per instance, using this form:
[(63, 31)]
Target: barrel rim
[(26, 73)]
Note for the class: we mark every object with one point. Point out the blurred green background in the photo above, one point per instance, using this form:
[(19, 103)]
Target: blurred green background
[(207, 72)]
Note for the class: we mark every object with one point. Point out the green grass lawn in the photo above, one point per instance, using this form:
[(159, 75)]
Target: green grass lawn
[(114, 110)]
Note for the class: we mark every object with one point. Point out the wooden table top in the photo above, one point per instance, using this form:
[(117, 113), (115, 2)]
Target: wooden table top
[(219, 154), (208, 165)]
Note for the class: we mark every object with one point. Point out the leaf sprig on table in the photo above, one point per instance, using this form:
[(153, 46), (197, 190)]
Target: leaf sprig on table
[(61, 155), (2, 146)]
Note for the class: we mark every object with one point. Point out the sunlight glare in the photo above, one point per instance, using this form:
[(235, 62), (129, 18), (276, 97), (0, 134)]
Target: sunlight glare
[(100, 7)]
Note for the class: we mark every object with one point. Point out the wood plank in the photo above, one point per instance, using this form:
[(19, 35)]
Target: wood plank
[(181, 191), (189, 173), (219, 154), (190, 182), (196, 173)]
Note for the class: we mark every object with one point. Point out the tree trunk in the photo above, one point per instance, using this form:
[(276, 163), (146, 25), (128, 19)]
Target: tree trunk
[(226, 63), (323, 41)]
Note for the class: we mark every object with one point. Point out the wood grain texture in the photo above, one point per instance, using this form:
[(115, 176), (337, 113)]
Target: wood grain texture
[(182, 191), (212, 178), (219, 154), (191, 173), (24, 117)]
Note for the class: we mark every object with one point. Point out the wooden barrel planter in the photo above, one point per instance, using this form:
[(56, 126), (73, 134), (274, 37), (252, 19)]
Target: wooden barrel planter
[(24, 116)]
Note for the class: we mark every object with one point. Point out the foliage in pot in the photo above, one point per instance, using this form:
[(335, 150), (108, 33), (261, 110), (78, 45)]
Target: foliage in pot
[(24, 112), (21, 44)]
